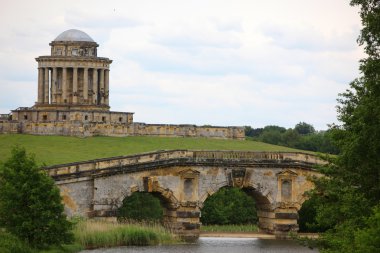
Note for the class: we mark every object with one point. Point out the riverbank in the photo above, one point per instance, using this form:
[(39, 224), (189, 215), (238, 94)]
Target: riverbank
[(258, 235), (230, 228), (238, 235)]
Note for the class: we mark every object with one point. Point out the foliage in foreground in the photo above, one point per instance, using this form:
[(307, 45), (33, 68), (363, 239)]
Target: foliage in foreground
[(30, 204), (12, 244), (141, 206), (97, 234), (229, 206), (307, 218), (348, 199)]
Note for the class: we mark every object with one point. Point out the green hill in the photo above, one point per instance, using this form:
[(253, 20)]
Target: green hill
[(61, 149)]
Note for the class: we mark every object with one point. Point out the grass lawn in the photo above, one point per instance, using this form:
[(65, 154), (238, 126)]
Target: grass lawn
[(52, 150)]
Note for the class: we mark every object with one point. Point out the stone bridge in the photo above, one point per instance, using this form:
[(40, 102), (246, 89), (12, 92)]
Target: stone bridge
[(184, 179)]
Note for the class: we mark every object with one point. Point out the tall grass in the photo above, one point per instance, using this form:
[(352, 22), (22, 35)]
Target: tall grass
[(98, 234), (90, 234), (230, 228)]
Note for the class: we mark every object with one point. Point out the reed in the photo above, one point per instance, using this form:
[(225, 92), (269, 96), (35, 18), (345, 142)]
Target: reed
[(230, 228), (98, 234)]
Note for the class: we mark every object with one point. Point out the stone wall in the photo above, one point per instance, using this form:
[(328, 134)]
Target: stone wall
[(115, 128)]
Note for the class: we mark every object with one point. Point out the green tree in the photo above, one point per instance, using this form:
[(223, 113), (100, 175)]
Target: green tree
[(304, 128), (12, 244), (359, 111), (290, 138), (229, 206), (308, 218), (252, 132), (30, 204), (141, 206), (319, 142), (345, 198), (368, 239)]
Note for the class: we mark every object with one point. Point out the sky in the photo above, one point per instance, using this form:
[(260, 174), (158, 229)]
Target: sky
[(206, 62)]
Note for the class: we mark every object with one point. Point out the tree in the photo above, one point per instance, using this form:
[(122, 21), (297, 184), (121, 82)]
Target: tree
[(30, 204), (252, 132), (304, 128), (368, 239), (141, 206), (345, 198), (307, 218), (359, 111), (272, 134), (273, 128), (229, 206), (290, 138)]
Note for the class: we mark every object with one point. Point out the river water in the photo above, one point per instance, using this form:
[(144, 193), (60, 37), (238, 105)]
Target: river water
[(218, 245)]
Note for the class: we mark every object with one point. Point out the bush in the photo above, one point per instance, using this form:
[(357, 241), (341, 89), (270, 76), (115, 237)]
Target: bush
[(141, 206), (11, 244), (368, 239), (30, 204), (308, 217), (229, 206)]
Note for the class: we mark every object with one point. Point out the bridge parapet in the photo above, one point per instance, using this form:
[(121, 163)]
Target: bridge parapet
[(256, 155), (145, 161)]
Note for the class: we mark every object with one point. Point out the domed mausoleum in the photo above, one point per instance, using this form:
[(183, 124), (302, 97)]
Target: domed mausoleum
[(73, 74), (73, 86), (73, 98)]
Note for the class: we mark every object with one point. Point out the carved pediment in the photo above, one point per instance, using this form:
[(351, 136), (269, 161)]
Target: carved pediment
[(287, 173), (189, 172)]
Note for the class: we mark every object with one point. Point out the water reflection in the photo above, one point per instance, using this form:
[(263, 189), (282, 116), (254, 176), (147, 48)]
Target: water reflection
[(218, 245)]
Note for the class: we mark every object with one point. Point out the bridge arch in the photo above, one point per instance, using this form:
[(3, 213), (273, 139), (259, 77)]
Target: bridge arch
[(169, 202), (265, 204), (165, 195)]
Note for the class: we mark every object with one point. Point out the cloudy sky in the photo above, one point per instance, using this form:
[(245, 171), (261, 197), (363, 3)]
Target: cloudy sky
[(222, 62)]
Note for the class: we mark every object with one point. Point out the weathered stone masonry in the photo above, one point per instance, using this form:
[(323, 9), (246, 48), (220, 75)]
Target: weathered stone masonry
[(184, 179), (73, 99)]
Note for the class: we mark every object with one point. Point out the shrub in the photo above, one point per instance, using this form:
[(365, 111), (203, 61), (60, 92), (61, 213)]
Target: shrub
[(30, 204)]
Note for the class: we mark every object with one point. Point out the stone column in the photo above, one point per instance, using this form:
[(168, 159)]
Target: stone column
[(85, 85), (64, 85), (95, 86), (46, 85), (106, 86), (40, 85), (75, 85), (54, 86), (101, 84)]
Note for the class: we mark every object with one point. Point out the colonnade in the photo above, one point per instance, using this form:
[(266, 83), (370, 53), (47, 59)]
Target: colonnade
[(64, 85)]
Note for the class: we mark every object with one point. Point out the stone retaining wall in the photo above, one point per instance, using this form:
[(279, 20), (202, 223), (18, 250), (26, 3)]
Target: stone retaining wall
[(86, 129)]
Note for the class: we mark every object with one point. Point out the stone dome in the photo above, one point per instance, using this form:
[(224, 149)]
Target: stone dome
[(74, 35)]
